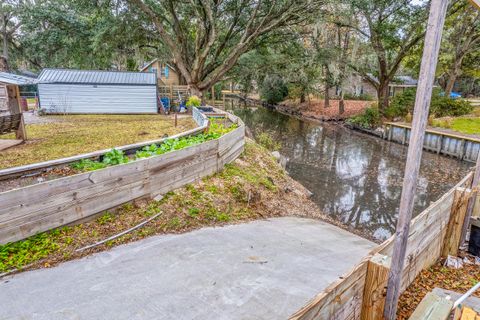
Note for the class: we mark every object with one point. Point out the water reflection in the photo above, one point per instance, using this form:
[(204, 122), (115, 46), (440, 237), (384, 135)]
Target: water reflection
[(355, 178)]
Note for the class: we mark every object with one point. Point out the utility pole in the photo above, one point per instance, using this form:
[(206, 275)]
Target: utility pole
[(433, 36)]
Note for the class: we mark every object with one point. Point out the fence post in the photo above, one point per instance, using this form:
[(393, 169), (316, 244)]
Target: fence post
[(452, 240), (433, 37), (471, 202), (375, 287)]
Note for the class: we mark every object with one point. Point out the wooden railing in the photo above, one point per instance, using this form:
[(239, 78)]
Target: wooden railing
[(360, 293), (40, 207)]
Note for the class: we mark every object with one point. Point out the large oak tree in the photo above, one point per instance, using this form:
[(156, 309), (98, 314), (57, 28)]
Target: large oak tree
[(207, 37), (392, 28)]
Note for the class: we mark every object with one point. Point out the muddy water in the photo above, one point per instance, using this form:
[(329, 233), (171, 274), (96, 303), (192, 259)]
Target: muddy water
[(355, 178)]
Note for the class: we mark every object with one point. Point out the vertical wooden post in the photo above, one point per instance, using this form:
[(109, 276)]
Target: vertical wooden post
[(21, 133), (452, 240), (433, 36), (375, 285), (471, 202), (171, 95)]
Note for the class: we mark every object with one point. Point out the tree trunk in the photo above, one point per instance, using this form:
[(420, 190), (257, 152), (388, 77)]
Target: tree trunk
[(327, 96), (5, 45), (452, 76), (341, 104), (382, 94), (4, 64), (302, 96)]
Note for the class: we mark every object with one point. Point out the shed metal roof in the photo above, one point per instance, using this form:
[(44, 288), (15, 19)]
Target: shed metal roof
[(96, 77), (16, 79)]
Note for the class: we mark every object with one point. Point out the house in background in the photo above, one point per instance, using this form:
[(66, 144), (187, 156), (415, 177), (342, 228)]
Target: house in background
[(167, 75), (357, 85), (93, 91)]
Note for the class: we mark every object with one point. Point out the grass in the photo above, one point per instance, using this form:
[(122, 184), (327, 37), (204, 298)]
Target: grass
[(468, 125), (76, 134), (253, 187)]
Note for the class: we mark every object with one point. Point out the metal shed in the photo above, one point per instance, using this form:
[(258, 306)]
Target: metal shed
[(92, 91)]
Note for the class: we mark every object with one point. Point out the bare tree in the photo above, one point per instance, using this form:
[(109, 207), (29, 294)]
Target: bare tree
[(207, 37)]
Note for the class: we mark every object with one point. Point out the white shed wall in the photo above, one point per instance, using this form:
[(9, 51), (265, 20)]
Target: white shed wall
[(86, 98)]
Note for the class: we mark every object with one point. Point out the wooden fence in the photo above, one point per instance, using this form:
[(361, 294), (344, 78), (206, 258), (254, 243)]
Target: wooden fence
[(462, 147), (360, 293), (44, 206)]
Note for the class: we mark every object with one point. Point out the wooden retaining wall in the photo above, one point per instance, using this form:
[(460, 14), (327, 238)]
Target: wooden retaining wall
[(464, 148), (44, 206), (360, 293), (8, 173)]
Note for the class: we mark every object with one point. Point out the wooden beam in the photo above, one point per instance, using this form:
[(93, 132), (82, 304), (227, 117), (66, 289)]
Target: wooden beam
[(453, 234), (432, 307), (433, 37), (476, 3), (375, 285), (472, 201)]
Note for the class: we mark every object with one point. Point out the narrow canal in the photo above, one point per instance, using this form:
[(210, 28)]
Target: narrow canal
[(355, 178)]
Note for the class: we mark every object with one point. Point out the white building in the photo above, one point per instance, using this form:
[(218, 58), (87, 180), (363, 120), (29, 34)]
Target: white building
[(91, 91)]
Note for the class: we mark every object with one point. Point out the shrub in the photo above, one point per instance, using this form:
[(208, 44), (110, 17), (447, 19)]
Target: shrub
[(440, 105), (194, 101), (369, 119), (273, 89), (444, 106), (266, 140)]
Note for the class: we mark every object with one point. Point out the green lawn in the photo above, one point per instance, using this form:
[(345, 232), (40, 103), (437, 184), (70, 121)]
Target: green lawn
[(77, 134), (467, 125), (470, 125)]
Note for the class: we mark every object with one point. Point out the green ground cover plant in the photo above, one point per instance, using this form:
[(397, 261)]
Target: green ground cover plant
[(116, 157)]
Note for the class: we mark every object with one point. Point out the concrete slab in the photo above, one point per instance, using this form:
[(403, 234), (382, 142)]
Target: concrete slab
[(259, 270)]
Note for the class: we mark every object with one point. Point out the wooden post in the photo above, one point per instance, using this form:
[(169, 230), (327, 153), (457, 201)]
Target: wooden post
[(21, 133), (375, 285), (471, 202), (433, 37), (171, 95), (452, 240)]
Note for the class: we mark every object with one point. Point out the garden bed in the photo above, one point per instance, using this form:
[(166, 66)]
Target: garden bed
[(65, 136), (28, 210)]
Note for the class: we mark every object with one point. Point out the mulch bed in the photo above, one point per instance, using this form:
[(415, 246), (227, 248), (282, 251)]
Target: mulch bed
[(458, 280)]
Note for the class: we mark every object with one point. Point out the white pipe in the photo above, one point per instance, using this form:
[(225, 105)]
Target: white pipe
[(120, 234), (466, 295)]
